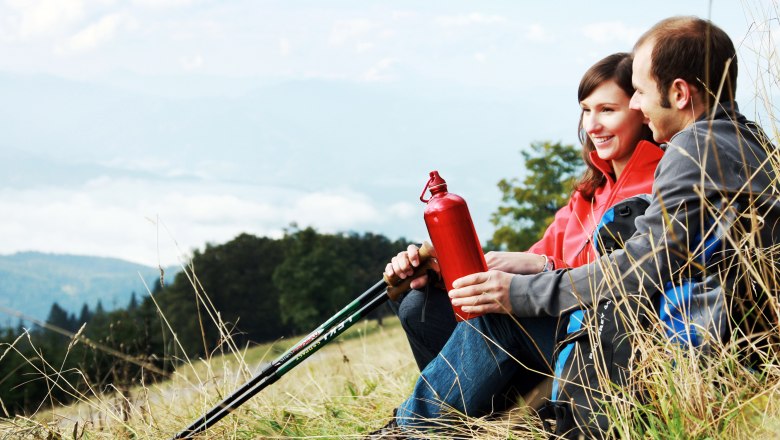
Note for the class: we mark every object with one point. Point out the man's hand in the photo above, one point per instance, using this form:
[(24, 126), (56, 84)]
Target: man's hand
[(404, 264), (484, 292)]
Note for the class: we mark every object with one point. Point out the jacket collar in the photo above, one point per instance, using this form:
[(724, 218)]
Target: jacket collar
[(726, 109), (645, 151)]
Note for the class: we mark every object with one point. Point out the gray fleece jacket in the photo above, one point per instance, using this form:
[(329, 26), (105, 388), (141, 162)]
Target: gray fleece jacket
[(718, 176)]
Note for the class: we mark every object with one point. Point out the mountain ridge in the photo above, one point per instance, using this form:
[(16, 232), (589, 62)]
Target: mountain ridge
[(31, 281)]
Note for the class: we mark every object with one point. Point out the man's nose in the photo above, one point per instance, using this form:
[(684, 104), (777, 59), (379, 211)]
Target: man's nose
[(635, 102)]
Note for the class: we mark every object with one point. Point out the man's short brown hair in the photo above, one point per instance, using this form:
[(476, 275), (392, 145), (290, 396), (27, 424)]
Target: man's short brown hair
[(694, 50)]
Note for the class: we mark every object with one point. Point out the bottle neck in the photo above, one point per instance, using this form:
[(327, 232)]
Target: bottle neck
[(438, 189)]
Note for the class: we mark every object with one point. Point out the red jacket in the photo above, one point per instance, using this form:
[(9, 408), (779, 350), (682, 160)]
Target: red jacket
[(567, 242)]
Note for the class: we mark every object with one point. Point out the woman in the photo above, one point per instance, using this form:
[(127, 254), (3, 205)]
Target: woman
[(620, 163)]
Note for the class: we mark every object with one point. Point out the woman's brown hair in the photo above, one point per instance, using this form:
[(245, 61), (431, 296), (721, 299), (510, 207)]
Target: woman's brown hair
[(616, 67)]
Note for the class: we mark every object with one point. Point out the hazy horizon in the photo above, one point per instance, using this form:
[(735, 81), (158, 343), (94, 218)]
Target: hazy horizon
[(142, 130)]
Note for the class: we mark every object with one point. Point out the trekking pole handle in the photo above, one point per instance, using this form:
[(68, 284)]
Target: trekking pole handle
[(397, 286)]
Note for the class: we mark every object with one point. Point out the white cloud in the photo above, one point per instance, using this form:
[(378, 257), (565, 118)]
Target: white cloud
[(31, 19), (119, 217), (346, 30), (96, 34), (284, 46), (403, 15), (157, 166), (191, 63), (216, 209), (538, 33), (468, 19), (404, 210), (162, 4), (363, 47), (379, 72), (56, 220), (612, 31), (480, 57), (333, 210)]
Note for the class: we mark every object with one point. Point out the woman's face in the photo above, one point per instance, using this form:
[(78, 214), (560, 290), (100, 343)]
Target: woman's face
[(614, 128)]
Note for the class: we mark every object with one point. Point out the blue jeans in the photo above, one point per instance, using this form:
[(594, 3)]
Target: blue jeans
[(480, 361), (428, 321)]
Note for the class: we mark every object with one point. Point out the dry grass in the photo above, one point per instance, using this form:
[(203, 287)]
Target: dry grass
[(350, 386)]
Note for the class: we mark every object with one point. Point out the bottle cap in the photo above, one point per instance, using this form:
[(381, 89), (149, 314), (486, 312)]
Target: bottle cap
[(435, 183)]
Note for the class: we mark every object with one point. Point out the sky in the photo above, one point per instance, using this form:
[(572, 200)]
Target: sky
[(145, 129)]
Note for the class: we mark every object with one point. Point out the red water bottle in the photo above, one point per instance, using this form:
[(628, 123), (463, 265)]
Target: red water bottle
[(453, 236)]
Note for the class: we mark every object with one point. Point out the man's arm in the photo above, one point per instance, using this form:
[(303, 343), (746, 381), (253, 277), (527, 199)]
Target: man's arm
[(665, 240)]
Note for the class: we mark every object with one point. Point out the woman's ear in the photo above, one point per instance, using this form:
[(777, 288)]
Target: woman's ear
[(681, 93)]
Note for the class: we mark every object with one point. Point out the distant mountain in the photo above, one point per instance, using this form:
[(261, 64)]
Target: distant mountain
[(30, 282)]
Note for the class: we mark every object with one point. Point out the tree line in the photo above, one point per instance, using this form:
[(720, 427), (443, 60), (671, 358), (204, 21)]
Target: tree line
[(256, 289), (252, 289)]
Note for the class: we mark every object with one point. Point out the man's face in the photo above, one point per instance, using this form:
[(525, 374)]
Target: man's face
[(664, 122)]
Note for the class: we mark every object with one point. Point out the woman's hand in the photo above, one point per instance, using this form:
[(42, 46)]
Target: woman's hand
[(483, 292), (406, 262), (523, 263)]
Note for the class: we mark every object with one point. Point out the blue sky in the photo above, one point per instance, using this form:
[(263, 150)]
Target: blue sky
[(144, 129)]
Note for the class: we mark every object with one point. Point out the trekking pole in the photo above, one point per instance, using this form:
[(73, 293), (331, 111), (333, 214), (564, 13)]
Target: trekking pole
[(378, 294)]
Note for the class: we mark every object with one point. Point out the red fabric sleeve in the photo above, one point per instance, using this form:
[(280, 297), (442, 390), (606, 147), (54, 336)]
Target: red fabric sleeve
[(551, 243)]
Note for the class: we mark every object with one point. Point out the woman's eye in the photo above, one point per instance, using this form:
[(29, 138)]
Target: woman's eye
[(607, 110)]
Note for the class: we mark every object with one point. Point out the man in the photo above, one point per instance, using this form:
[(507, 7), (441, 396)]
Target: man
[(715, 201)]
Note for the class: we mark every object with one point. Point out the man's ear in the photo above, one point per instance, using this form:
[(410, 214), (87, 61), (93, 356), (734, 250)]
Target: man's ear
[(681, 93)]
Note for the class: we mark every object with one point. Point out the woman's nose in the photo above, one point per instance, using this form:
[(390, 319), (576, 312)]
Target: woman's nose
[(592, 125)]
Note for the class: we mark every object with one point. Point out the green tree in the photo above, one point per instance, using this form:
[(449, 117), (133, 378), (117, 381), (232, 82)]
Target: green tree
[(233, 279), (99, 311), (85, 315), (529, 206), (133, 305), (21, 387), (313, 279), (59, 317), (238, 277)]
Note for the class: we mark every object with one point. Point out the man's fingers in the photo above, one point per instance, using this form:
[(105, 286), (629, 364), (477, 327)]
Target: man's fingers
[(464, 292), (485, 292), (470, 280), (484, 302), (482, 309), (470, 285), (466, 296)]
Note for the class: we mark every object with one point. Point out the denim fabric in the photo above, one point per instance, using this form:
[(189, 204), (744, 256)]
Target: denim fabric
[(428, 321), (480, 361)]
